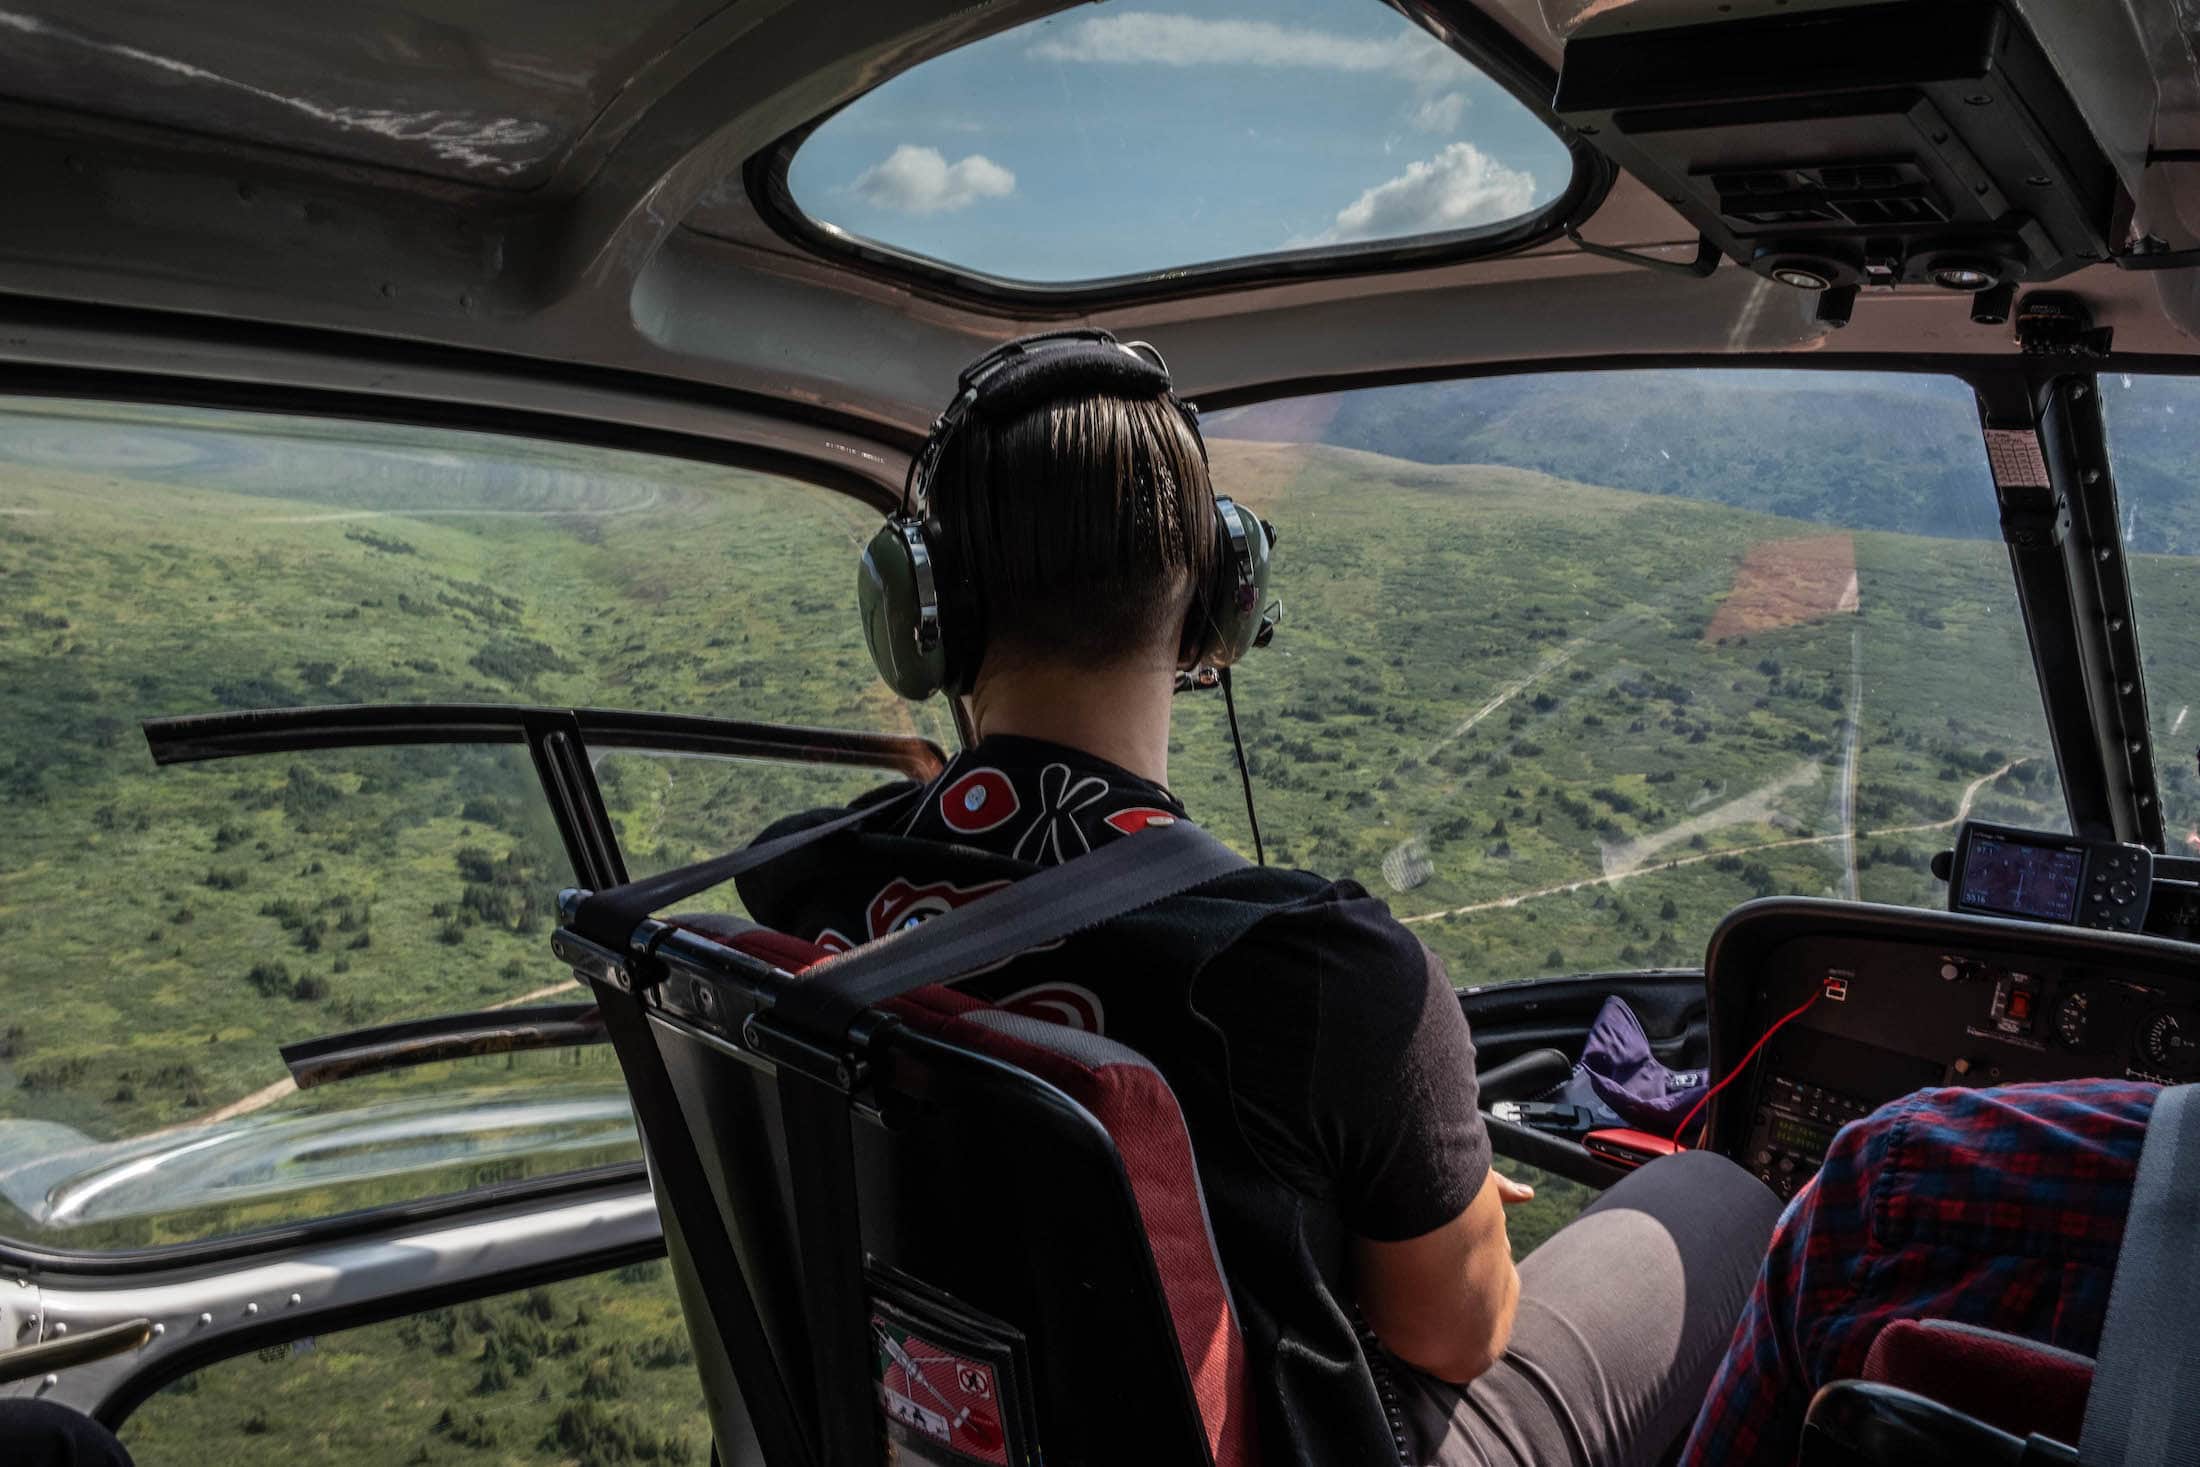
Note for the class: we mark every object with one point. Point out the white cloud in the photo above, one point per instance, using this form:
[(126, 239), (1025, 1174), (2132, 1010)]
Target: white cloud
[(1460, 187), (914, 180), (1441, 113), (1148, 38)]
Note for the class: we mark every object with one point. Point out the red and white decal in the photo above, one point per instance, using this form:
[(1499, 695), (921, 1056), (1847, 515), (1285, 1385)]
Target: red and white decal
[(978, 802), (1138, 817), (937, 1393), (1068, 1004), (833, 942), (901, 903)]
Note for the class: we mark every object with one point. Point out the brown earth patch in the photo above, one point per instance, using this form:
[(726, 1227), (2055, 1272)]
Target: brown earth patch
[(1784, 583)]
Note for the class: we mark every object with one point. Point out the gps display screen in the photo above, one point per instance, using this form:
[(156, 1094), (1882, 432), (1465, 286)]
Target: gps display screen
[(2017, 879)]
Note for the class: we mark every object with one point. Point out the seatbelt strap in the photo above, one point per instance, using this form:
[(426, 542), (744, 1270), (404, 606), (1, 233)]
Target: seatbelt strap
[(2146, 1379), (609, 917), (1122, 877)]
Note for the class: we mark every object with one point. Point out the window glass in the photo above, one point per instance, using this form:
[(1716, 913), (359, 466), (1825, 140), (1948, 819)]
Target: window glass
[(2151, 422), (671, 809), (205, 916), (594, 1371), (1108, 141), (1574, 664), (166, 930)]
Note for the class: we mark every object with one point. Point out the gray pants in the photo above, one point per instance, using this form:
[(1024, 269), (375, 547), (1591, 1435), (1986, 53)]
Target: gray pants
[(1624, 1315)]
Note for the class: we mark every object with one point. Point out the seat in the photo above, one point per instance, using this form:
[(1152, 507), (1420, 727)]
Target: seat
[(977, 1134), (1941, 1391)]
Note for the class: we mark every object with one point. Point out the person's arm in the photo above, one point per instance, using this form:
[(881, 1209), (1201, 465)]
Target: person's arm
[(1444, 1302), (1393, 1097)]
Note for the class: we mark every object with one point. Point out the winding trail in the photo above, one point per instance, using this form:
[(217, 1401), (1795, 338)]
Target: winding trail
[(1963, 810)]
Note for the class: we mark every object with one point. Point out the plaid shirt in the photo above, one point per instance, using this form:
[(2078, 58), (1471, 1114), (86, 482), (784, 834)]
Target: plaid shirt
[(2002, 1208)]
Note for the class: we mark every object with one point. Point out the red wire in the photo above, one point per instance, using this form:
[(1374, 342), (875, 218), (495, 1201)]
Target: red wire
[(1739, 1070)]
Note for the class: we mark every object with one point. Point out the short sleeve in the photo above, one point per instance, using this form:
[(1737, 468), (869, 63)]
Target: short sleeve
[(1391, 1093)]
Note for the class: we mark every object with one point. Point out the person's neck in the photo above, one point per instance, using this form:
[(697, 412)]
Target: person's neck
[(1119, 713)]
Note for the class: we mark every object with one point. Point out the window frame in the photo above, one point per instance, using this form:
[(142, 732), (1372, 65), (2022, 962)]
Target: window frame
[(558, 741), (1479, 41)]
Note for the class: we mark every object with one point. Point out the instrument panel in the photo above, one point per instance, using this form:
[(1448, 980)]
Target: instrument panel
[(1894, 1000)]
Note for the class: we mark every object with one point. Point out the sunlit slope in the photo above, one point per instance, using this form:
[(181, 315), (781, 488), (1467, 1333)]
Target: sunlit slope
[(1490, 684), (167, 929)]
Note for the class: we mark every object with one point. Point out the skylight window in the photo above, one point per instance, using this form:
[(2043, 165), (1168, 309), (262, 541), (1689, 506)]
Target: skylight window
[(1126, 139)]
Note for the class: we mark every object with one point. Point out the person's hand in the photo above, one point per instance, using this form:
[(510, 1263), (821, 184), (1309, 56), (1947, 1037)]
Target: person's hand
[(1510, 1192)]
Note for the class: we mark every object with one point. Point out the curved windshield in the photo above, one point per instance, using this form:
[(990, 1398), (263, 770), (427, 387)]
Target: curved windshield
[(1108, 141), (168, 930), (2150, 423), (1573, 664)]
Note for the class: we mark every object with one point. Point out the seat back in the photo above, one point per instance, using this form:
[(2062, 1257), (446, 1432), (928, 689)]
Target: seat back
[(1040, 1272), (2018, 1385)]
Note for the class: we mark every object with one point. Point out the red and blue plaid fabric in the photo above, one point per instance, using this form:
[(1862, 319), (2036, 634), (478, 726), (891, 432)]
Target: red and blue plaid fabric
[(2001, 1208)]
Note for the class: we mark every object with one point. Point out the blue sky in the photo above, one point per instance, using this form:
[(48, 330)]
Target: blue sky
[(1126, 137)]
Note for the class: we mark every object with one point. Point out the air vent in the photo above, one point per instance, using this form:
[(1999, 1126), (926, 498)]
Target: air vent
[(1774, 218), (1867, 194), (1915, 209)]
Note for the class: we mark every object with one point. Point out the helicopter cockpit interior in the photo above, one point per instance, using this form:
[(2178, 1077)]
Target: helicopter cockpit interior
[(1733, 557)]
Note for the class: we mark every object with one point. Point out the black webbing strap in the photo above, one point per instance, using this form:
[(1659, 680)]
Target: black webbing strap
[(609, 917), (678, 1170), (2146, 1379), (1059, 902)]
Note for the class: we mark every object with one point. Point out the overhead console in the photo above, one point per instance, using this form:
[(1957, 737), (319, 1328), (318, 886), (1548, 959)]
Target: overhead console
[(1865, 1004), (1924, 142)]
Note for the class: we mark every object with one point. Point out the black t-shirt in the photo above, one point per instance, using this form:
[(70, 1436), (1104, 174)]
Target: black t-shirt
[(1317, 1047)]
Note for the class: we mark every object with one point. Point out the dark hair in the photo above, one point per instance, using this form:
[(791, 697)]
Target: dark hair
[(1074, 529)]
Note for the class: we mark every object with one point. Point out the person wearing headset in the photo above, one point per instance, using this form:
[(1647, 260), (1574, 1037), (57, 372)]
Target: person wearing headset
[(1060, 559)]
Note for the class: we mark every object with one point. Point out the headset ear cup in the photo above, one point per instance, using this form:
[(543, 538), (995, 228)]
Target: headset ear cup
[(1229, 613), (900, 621)]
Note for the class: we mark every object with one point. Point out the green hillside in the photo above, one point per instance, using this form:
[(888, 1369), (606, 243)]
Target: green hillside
[(1558, 727)]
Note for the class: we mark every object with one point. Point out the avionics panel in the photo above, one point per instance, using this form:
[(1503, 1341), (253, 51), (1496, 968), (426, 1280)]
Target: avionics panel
[(1894, 1000)]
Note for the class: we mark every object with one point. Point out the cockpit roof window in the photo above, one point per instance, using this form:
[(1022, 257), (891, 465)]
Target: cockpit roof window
[(1105, 143)]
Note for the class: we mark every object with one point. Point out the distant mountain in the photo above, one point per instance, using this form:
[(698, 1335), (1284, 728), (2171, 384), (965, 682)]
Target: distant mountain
[(1862, 450)]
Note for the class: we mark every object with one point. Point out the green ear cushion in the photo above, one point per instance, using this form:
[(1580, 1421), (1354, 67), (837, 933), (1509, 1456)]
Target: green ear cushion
[(887, 595), (1236, 615)]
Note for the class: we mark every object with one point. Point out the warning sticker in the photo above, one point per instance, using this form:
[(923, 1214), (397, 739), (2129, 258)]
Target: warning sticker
[(938, 1395)]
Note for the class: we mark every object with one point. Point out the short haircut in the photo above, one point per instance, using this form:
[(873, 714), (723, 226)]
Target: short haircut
[(1076, 528)]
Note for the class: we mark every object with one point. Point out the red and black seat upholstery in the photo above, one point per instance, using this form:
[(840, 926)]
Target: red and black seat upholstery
[(1039, 1175), (1937, 1391)]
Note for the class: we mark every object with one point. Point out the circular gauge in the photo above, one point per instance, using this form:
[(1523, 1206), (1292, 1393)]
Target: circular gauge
[(2166, 1045), (2070, 1017)]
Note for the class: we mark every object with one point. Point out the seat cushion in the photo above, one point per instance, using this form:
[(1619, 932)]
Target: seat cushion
[(2008, 1382), (1133, 1102)]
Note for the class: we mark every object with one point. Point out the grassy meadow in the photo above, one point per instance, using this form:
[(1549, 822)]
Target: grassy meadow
[(1559, 727)]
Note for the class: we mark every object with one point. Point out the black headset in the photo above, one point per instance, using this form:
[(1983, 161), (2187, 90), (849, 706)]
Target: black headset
[(916, 613)]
